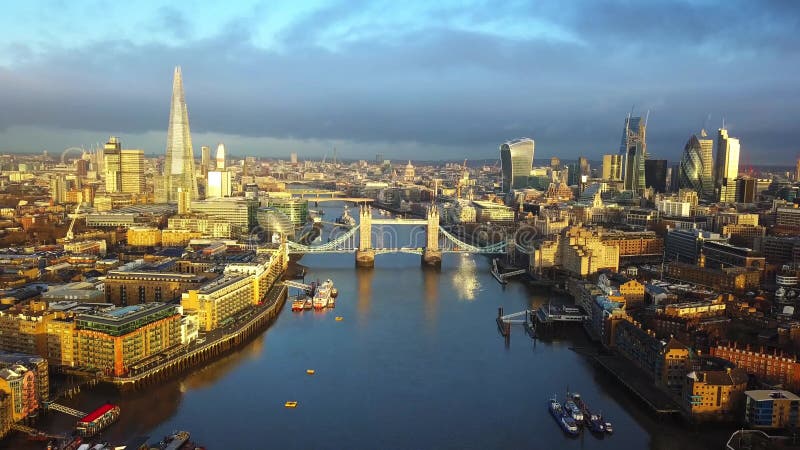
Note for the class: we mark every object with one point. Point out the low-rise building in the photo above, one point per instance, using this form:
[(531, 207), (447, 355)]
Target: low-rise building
[(713, 395), (771, 409), (776, 368), (144, 236)]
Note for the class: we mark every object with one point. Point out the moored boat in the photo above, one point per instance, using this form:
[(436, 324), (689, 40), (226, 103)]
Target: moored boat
[(596, 424), (609, 429), (308, 304), (573, 411), (297, 303), (322, 298)]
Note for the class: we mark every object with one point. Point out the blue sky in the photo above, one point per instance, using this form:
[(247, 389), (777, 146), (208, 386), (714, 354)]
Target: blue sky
[(411, 79)]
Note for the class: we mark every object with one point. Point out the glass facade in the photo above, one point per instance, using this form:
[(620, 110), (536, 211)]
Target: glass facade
[(694, 171), (516, 158), (633, 150)]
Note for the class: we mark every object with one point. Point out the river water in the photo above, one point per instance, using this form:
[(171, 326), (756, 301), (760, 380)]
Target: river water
[(416, 363)]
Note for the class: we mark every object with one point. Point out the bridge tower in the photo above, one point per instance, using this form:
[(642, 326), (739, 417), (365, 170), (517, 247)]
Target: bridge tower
[(365, 255), (432, 255)]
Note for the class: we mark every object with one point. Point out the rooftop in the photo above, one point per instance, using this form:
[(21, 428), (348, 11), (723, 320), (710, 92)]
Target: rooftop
[(763, 395)]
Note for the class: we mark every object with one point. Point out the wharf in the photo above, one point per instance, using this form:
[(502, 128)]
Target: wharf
[(251, 324), (637, 381)]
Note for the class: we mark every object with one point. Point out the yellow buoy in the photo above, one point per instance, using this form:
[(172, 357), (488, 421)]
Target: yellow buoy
[(339, 318), (290, 404), (310, 371)]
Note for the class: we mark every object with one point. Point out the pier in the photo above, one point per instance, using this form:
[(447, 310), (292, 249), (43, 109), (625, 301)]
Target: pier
[(181, 359)]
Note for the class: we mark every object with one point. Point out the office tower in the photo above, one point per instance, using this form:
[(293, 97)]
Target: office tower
[(727, 167), (58, 188), (132, 169), (221, 156), (674, 182), (293, 158), (517, 160), (82, 167), (184, 201), (205, 159), (655, 174), (179, 164), (612, 167), (634, 152), (555, 163), (583, 164), (113, 164), (797, 170), (573, 174), (694, 171), (219, 184)]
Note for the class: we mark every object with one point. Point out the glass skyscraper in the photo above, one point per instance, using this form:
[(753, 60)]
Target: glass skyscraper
[(634, 152), (694, 171), (179, 165), (517, 160), (727, 167)]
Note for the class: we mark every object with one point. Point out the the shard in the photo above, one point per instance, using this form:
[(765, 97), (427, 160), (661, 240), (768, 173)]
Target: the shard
[(179, 165)]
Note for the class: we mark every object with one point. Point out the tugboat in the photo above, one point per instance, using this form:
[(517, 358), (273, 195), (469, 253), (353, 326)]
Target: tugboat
[(298, 303), (608, 427)]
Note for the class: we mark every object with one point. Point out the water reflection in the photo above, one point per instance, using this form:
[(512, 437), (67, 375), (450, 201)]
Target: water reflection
[(430, 284), (465, 279), (209, 375), (364, 282)]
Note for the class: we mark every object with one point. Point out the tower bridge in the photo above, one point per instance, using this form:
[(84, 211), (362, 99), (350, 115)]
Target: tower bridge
[(358, 240)]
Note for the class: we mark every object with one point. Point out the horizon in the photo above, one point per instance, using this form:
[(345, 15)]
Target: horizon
[(413, 79)]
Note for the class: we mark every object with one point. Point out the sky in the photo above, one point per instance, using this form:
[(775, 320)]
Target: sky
[(410, 79)]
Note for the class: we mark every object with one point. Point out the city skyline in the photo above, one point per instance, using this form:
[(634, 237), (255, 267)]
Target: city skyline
[(431, 98)]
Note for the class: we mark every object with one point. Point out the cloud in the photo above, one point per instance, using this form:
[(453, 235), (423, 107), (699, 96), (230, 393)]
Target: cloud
[(443, 81)]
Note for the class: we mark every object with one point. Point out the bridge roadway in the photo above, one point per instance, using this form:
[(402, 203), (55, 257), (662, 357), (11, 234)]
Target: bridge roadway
[(338, 199)]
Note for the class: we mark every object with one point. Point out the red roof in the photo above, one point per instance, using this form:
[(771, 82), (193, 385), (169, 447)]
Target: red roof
[(97, 413)]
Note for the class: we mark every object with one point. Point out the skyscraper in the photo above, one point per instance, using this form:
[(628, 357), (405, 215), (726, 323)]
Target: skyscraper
[(655, 174), (113, 164), (633, 150), (694, 171), (555, 163), (179, 165), (132, 169), (797, 170), (219, 184), (221, 156), (517, 160), (612, 167), (727, 167), (205, 159), (583, 164)]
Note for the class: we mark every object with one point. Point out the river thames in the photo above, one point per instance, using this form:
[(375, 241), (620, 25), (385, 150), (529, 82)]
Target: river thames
[(416, 363)]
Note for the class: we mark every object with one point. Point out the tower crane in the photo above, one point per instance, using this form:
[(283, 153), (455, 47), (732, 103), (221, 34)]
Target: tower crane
[(70, 236)]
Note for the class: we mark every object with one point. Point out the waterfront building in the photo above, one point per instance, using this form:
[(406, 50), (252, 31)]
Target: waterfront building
[(219, 300), (143, 236), (296, 210), (582, 251), (22, 330), (712, 395), (640, 347), (18, 380), (517, 160), (218, 184), (655, 174), (113, 341), (773, 367), (695, 169), (772, 409), (726, 169), (492, 212), (61, 341), (633, 150), (549, 225), (179, 164), (677, 364)]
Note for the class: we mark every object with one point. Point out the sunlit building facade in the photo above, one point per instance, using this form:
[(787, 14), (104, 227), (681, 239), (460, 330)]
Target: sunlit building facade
[(516, 158), (727, 167), (633, 150), (694, 171)]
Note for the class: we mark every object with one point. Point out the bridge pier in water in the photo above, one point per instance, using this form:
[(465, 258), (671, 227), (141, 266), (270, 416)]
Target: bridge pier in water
[(432, 255), (365, 255)]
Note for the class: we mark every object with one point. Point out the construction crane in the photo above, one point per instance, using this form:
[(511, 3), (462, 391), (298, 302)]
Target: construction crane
[(70, 236)]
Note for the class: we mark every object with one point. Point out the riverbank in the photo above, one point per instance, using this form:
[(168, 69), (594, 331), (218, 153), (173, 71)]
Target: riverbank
[(252, 323)]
